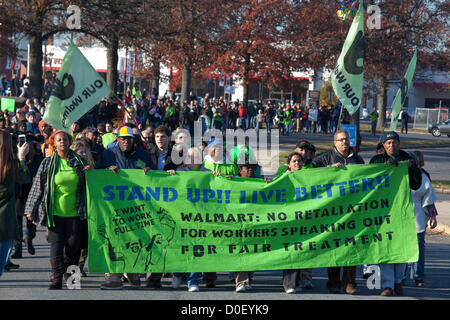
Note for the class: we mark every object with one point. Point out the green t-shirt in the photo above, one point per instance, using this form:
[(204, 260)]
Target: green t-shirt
[(65, 196)]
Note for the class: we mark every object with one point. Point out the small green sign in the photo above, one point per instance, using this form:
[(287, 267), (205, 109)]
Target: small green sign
[(8, 104)]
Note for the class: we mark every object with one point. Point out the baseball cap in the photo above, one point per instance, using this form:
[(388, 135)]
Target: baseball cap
[(125, 132), (305, 144), (389, 135)]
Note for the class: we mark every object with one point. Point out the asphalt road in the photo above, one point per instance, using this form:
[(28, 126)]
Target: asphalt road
[(30, 282)]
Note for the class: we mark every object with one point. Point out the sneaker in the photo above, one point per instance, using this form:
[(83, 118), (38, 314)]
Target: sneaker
[(240, 288), (11, 266), (111, 285), (134, 280), (290, 291), (176, 282), (193, 288), (307, 284)]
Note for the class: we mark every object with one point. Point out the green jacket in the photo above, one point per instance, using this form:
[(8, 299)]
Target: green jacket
[(9, 229), (287, 117)]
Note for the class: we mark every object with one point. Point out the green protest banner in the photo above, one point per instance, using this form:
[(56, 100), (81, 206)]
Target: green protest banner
[(195, 222), (347, 77), (78, 88), (402, 92), (8, 104)]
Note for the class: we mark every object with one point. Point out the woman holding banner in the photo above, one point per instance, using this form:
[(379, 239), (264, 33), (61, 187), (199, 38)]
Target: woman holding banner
[(58, 199), (295, 162), (10, 173)]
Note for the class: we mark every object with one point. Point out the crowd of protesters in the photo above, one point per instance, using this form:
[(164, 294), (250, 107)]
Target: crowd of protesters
[(47, 186)]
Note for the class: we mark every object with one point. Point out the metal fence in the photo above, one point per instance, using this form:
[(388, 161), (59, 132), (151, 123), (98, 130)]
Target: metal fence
[(423, 117)]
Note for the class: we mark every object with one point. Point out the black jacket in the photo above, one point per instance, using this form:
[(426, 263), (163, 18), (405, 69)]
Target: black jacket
[(168, 165), (331, 157), (115, 157), (414, 173)]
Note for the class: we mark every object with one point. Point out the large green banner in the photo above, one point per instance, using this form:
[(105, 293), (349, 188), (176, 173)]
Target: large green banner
[(195, 222)]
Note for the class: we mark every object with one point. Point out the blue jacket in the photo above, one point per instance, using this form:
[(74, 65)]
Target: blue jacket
[(138, 158)]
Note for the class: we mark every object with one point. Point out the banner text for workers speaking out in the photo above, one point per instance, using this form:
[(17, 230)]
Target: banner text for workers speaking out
[(193, 221)]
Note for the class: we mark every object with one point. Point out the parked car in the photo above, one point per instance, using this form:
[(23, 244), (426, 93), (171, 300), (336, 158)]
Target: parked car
[(436, 129)]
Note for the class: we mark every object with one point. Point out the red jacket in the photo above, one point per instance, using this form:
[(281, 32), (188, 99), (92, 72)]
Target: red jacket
[(242, 112)]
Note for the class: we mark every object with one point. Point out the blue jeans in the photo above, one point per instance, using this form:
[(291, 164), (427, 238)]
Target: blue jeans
[(242, 123), (5, 250), (224, 123), (308, 126), (418, 268), (391, 273), (286, 129), (193, 278), (374, 128)]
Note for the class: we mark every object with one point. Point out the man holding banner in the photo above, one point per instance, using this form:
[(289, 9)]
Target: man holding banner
[(340, 156), (123, 156), (392, 274)]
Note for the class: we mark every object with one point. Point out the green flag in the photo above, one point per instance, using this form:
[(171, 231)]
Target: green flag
[(402, 92), (196, 222), (348, 76), (78, 88), (8, 104)]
